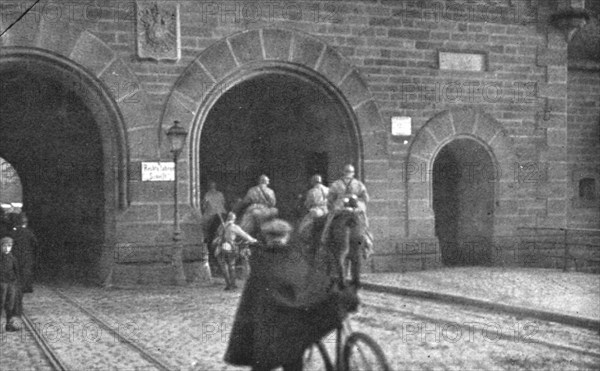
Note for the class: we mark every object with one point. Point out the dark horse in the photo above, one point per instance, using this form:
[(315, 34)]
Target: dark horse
[(344, 243)]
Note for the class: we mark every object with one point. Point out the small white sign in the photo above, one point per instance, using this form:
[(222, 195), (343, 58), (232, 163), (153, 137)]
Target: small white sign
[(158, 171), (401, 126)]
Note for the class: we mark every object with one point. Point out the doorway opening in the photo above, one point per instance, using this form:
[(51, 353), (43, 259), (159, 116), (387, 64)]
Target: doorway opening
[(50, 136), (464, 178)]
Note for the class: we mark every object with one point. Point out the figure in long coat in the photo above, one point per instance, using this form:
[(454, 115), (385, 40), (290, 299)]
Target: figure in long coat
[(286, 306)]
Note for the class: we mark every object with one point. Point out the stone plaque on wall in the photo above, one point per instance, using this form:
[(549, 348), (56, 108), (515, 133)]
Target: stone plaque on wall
[(157, 29), (460, 61)]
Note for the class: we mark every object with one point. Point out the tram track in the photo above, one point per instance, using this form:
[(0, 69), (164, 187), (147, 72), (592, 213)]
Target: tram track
[(56, 363), (477, 324), (61, 362)]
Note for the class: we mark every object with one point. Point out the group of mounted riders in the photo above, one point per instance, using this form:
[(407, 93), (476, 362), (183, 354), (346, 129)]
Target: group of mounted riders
[(296, 292), (223, 234)]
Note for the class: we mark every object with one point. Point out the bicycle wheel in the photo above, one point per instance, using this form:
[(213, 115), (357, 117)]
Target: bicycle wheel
[(361, 352), (317, 358)]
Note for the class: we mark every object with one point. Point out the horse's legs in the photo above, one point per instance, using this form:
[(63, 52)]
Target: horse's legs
[(355, 270), (342, 256)]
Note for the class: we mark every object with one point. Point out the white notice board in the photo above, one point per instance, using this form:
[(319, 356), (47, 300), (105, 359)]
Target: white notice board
[(158, 171)]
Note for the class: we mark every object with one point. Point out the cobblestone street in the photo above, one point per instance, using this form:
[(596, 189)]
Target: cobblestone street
[(188, 328)]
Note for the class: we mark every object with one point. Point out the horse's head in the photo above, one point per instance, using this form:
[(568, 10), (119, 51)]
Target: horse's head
[(348, 220)]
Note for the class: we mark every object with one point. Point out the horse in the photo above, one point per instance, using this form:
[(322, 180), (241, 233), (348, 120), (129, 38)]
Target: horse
[(343, 243)]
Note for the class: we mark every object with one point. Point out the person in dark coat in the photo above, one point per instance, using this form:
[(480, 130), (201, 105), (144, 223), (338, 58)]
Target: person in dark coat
[(9, 282), (4, 224), (25, 249), (286, 306)]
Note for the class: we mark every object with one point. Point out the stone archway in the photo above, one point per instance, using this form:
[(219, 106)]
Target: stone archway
[(74, 169), (252, 53), (429, 141)]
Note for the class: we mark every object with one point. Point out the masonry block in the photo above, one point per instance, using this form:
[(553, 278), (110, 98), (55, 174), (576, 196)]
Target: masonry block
[(464, 120), (368, 117), (277, 43), (333, 66), (375, 145), (442, 127), (120, 81), (419, 209), (354, 89), (92, 53), (23, 33), (306, 50), (552, 90), (194, 83), (135, 111), (140, 213), (556, 74), (60, 37), (142, 142), (218, 60), (375, 170), (423, 145), (556, 137), (549, 57), (177, 110), (246, 46)]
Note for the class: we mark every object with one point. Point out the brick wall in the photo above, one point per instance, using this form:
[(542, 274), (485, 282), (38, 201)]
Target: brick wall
[(394, 45)]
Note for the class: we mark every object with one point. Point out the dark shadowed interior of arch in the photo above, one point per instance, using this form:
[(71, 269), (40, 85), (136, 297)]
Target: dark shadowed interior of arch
[(279, 125), (53, 142), (463, 202)]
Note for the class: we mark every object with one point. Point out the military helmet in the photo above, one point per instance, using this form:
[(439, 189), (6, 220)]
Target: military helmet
[(349, 169), (316, 179), (263, 179)]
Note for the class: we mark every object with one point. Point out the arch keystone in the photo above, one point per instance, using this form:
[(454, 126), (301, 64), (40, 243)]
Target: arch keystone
[(464, 120), (277, 43)]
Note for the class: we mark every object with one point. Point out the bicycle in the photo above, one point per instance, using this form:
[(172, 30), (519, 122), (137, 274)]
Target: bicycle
[(354, 350)]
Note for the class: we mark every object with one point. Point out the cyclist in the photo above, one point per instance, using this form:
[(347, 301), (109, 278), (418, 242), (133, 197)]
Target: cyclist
[(286, 306)]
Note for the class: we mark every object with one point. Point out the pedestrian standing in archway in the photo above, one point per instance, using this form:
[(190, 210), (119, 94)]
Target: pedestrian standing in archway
[(25, 249)]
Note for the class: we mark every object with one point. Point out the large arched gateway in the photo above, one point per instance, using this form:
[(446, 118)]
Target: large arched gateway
[(274, 101), (65, 137), (281, 123)]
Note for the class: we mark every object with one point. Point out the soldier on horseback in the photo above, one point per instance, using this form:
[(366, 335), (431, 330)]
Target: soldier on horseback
[(342, 190), (315, 203), (261, 204)]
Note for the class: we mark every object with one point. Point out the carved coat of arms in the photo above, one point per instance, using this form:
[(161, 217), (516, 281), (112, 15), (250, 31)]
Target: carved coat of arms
[(158, 30)]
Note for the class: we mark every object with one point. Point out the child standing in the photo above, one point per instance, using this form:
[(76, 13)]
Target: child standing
[(9, 278)]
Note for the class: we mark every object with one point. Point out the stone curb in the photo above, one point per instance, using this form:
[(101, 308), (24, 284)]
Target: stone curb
[(585, 322)]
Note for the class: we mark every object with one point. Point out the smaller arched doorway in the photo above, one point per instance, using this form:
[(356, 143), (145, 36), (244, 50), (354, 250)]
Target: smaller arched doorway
[(464, 176)]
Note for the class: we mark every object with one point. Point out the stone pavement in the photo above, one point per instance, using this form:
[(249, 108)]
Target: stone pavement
[(188, 327), (543, 290)]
